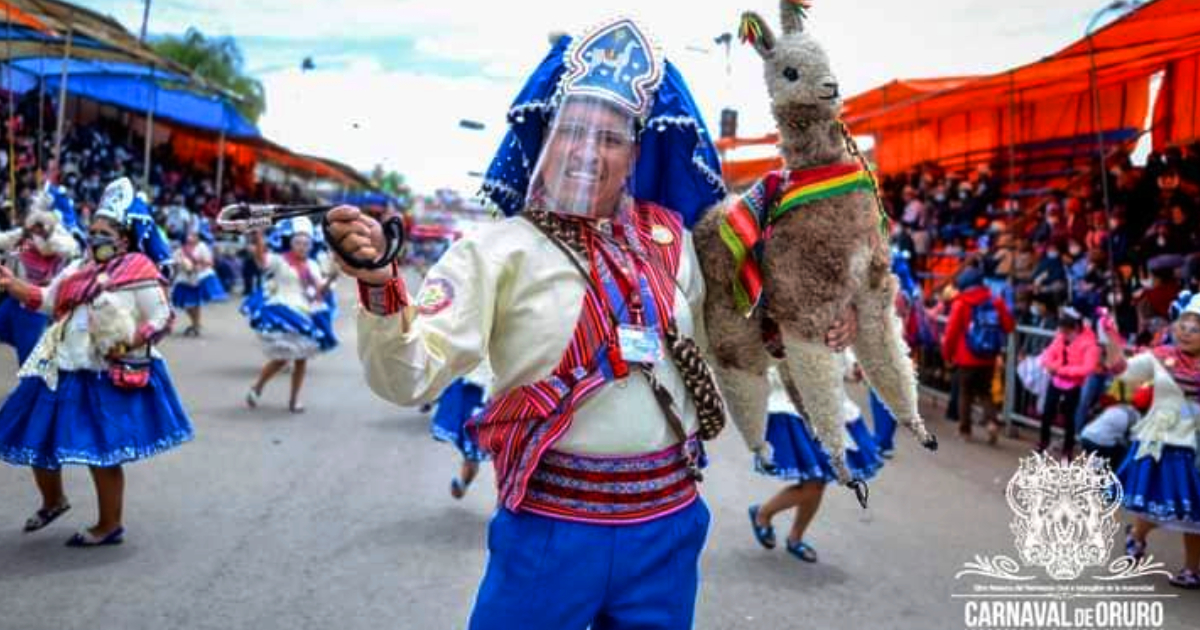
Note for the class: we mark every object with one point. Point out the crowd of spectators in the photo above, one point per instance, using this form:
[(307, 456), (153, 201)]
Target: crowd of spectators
[(1060, 261), (99, 152), (1063, 248)]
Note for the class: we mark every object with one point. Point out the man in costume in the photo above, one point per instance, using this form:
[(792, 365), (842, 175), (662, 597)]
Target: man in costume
[(586, 305)]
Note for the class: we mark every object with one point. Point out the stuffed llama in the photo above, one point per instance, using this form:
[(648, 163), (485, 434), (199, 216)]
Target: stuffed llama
[(782, 261)]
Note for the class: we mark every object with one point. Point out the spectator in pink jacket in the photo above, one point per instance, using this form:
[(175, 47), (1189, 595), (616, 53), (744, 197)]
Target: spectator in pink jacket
[(1072, 356)]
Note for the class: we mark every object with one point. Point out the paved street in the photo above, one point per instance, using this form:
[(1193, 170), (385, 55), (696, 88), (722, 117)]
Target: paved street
[(340, 518)]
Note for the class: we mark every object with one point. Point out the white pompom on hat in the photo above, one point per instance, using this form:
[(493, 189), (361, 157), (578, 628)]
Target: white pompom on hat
[(302, 226), (1193, 307)]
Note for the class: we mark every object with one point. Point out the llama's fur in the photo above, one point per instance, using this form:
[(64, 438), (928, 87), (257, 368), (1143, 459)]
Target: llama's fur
[(820, 260), (110, 324)]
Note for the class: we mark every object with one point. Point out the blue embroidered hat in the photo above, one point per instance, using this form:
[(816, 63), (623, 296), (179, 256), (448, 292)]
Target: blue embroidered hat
[(1185, 302), (121, 204), (677, 165), (279, 238)]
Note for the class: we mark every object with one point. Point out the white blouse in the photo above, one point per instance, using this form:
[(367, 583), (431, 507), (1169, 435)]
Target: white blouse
[(70, 342), (195, 270), (1172, 419), (508, 294), (283, 284)]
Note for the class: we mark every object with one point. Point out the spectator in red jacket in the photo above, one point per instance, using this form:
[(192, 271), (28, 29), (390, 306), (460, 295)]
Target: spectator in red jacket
[(973, 370), (1071, 358)]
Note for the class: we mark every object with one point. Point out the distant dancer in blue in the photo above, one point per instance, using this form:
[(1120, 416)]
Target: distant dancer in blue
[(292, 313), (464, 398), (799, 459), (196, 282)]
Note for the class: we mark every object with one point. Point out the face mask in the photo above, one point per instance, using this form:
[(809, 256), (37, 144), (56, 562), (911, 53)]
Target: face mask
[(104, 248)]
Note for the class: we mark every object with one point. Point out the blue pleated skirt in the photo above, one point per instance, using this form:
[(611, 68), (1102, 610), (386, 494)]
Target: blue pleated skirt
[(1167, 490), (799, 457), (20, 327), (276, 318), (193, 295), (88, 421), (461, 400)]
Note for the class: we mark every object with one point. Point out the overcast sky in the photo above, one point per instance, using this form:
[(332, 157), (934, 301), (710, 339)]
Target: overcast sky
[(394, 77)]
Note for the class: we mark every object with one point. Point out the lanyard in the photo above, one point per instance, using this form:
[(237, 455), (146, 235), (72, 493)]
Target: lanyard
[(627, 291)]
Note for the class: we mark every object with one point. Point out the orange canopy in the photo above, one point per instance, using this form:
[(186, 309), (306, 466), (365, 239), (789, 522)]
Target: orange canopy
[(241, 156), (1045, 100), (900, 91)]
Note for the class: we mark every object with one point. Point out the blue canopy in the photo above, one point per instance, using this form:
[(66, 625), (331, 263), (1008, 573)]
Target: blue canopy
[(370, 198), (210, 113), (53, 66)]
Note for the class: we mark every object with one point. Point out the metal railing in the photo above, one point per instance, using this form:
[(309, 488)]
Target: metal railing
[(1019, 406)]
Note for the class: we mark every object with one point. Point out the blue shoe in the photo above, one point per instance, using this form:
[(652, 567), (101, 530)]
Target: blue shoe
[(764, 535), (803, 551), (86, 539), (458, 489), (44, 517), (1134, 548)]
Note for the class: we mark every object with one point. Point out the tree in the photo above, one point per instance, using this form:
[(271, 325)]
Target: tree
[(219, 61), (390, 182)]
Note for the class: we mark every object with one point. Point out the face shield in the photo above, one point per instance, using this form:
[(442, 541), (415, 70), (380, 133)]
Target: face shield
[(587, 160)]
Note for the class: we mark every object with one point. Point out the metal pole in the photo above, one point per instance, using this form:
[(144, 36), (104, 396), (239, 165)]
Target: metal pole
[(1096, 124), (149, 133), (62, 100), (41, 130), (145, 21), (221, 160), (1010, 357), (12, 142)]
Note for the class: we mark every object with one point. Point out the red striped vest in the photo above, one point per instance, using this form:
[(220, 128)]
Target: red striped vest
[(518, 427)]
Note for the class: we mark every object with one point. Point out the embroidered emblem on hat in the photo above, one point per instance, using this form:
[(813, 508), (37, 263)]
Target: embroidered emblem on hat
[(117, 198), (662, 235), (436, 295), (616, 62)]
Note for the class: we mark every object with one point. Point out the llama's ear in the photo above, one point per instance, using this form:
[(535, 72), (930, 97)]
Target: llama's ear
[(792, 14), (755, 31)]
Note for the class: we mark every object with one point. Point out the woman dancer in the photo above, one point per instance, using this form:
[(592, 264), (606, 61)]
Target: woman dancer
[(458, 403), (1159, 476), (289, 315), (94, 391), (800, 460), (43, 246), (197, 283)]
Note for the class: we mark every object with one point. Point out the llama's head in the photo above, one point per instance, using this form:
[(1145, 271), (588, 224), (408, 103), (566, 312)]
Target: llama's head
[(802, 87)]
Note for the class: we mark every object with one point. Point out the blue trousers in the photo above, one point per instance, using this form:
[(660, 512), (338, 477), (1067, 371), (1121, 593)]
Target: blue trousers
[(549, 574), (885, 424)]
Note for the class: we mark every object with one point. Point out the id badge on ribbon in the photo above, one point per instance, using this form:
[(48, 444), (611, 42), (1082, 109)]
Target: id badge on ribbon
[(639, 344)]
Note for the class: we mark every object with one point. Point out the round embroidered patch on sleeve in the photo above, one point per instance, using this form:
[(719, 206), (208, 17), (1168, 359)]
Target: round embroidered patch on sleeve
[(662, 235), (436, 295)]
